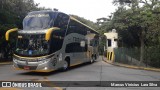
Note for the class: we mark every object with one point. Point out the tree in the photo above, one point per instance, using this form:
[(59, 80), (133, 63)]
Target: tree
[(11, 16), (138, 20)]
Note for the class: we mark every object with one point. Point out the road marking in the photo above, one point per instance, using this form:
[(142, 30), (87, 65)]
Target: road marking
[(51, 84), (5, 63)]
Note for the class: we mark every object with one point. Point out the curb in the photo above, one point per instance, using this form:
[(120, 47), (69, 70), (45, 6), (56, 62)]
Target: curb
[(133, 67), (5, 63)]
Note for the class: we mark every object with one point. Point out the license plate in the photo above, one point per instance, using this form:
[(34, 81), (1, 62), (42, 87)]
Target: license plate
[(26, 67)]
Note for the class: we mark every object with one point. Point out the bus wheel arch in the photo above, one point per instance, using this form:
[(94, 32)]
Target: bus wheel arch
[(68, 60)]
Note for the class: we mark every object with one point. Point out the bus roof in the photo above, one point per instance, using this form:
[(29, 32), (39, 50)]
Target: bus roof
[(71, 17), (41, 11)]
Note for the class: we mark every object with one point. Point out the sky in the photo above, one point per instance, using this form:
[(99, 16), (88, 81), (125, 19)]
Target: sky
[(88, 9)]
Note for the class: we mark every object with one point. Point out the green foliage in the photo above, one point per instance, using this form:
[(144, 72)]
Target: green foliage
[(132, 21), (137, 22)]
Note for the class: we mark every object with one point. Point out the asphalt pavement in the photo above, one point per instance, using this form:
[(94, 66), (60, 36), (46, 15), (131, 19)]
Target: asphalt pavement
[(98, 72)]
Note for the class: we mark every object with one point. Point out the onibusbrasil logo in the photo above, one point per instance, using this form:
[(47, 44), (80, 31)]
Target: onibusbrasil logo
[(21, 84)]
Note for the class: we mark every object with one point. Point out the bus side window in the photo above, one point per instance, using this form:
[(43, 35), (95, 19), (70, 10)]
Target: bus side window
[(75, 48), (75, 27), (61, 21), (71, 27)]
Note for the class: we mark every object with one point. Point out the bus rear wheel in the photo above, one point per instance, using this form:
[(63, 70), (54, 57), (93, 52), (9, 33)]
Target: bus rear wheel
[(92, 60)]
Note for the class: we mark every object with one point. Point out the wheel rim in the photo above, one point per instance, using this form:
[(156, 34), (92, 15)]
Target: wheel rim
[(92, 60), (65, 65)]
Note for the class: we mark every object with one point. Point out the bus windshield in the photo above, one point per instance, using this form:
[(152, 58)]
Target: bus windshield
[(32, 45), (38, 21)]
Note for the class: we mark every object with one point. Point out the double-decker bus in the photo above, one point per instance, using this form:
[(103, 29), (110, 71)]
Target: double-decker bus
[(52, 40)]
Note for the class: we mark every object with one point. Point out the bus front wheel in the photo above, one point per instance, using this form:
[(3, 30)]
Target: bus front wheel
[(65, 65)]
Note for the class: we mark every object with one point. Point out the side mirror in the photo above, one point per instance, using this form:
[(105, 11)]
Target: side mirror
[(10, 31), (82, 43), (49, 31)]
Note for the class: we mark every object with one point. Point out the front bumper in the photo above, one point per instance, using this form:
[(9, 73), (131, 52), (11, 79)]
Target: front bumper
[(47, 65)]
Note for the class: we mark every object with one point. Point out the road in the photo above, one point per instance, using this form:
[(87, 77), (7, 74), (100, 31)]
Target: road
[(98, 71)]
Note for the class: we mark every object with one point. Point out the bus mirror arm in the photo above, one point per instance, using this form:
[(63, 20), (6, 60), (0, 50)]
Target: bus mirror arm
[(49, 31), (10, 31)]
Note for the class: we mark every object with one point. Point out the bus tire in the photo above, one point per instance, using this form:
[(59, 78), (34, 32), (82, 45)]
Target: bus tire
[(95, 57), (92, 59), (65, 64)]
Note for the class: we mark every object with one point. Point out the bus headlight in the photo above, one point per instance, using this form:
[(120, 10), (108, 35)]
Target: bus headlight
[(44, 61), (45, 68), (15, 60)]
